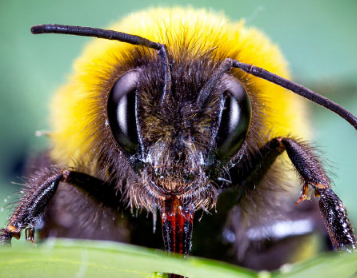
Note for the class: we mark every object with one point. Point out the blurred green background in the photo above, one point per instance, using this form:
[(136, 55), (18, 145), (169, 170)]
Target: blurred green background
[(318, 38)]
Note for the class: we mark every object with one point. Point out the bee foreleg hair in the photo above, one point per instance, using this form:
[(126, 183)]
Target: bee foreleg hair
[(254, 166), (40, 189)]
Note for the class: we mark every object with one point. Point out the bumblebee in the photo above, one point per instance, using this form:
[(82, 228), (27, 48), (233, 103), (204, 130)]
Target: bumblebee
[(185, 112)]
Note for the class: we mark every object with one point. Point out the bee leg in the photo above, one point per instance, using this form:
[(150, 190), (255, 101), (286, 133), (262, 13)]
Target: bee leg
[(32, 204), (336, 220), (248, 173), (331, 207), (30, 235), (251, 170), (311, 173), (39, 191)]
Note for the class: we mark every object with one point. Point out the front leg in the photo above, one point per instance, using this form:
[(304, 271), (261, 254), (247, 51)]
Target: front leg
[(39, 191), (332, 209), (311, 174)]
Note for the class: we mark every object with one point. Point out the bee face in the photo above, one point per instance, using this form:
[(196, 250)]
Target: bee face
[(173, 146), (171, 121)]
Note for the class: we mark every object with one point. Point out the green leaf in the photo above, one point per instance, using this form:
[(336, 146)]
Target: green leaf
[(74, 258), (69, 258), (328, 265)]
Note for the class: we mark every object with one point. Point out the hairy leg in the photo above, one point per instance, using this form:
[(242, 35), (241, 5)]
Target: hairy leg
[(311, 173), (40, 189)]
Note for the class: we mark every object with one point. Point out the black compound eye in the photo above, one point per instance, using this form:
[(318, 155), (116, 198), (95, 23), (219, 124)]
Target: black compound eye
[(235, 120), (121, 111)]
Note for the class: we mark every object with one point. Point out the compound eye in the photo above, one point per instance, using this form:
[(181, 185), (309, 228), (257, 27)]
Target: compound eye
[(122, 111), (235, 120)]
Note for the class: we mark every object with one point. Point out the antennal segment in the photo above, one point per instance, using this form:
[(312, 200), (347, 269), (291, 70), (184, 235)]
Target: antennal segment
[(117, 36), (225, 66), (94, 32), (167, 74), (296, 88)]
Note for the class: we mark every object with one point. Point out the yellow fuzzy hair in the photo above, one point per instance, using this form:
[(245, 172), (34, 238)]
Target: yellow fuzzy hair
[(76, 105)]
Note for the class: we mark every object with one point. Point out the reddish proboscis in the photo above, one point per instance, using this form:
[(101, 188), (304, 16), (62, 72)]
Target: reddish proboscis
[(177, 223)]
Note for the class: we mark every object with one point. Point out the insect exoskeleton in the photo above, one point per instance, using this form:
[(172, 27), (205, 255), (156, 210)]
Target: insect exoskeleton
[(169, 117)]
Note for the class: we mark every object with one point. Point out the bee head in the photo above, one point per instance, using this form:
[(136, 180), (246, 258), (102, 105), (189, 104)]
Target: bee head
[(176, 139)]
